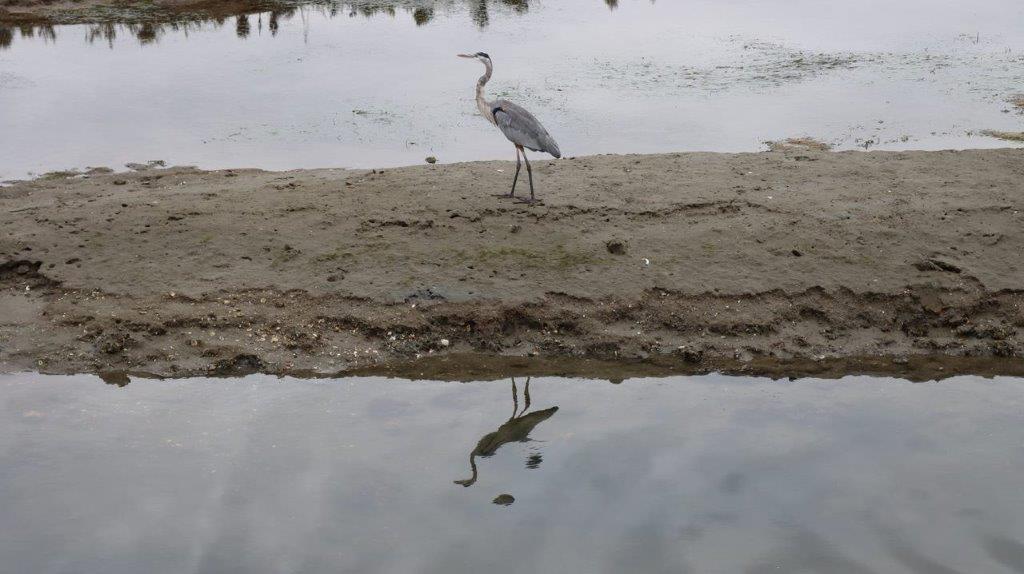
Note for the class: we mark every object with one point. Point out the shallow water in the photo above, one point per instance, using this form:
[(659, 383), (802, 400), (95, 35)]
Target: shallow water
[(686, 474), (323, 89)]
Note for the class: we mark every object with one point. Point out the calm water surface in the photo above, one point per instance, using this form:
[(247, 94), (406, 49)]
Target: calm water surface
[(698, 474), (322, 88)]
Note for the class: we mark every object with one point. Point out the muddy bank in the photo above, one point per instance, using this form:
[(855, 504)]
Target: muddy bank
[(689, 261)]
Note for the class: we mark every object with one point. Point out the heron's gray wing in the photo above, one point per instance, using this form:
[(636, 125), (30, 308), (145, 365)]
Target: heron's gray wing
[(521, 128)]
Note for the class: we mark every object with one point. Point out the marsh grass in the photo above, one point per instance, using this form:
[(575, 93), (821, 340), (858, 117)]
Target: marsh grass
[(1008, 136), (60, 174), (798, 143)]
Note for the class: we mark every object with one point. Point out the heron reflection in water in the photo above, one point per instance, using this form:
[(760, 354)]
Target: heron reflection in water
[(516, 429)]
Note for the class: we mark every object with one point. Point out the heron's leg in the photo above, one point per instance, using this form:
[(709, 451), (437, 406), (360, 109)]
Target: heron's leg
[(529, 172), (526, 394), (515, 399), (519, 165)]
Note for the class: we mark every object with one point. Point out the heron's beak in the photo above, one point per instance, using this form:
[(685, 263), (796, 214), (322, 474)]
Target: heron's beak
[(465, 55)]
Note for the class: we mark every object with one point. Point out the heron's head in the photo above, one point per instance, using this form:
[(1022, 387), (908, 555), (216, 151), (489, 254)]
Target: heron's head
[(481, 56)]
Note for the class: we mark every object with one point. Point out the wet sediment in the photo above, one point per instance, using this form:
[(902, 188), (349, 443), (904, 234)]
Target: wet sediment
[(790, 262)]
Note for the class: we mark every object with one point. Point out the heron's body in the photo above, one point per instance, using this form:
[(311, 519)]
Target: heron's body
[(520, 126)]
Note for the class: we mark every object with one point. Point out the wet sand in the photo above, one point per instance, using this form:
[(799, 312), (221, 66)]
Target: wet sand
[(679, 262)]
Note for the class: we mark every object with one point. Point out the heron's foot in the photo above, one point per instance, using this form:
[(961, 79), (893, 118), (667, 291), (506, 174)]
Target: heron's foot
[(528, 201)]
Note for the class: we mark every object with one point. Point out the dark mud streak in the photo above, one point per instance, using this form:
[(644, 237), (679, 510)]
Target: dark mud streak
[(932, 334), (469, 368), (687, 209), (25, 273)]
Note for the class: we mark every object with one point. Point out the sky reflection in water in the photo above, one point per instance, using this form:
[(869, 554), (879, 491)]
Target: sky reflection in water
[(687, 474)]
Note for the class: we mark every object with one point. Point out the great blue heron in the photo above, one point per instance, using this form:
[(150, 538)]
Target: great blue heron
[(518, 125)]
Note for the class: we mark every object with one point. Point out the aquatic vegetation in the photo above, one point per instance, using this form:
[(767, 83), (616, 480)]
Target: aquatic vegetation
[(60, 174), (800, 143), (1017, 101), (1008, 136)]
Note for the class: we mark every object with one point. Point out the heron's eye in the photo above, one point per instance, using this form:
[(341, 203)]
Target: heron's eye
[(483, 55)]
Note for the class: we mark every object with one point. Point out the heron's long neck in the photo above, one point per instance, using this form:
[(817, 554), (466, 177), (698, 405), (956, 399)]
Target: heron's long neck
[(472, 465), (481, 103)]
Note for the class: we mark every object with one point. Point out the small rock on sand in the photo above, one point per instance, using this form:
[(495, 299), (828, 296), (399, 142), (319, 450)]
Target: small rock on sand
[(616, 247)]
